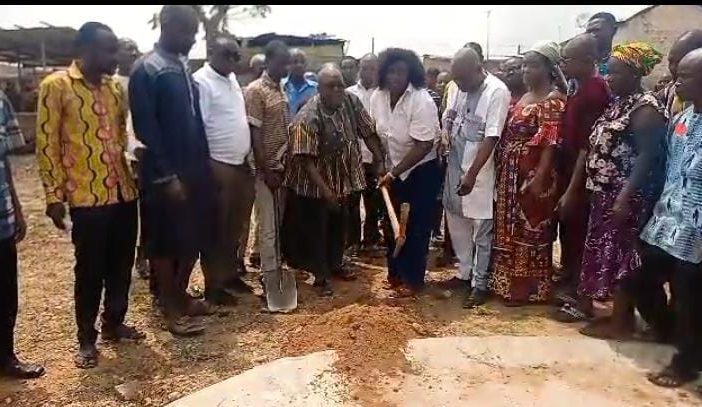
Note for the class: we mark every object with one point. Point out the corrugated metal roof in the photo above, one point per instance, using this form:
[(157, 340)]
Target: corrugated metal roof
[(25, 43), (293, 40)]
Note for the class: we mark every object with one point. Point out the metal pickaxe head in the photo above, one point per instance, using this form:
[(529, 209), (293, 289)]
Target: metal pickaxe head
[(401, 237)]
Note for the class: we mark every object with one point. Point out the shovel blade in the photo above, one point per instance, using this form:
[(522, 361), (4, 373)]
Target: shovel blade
[(281, 291)]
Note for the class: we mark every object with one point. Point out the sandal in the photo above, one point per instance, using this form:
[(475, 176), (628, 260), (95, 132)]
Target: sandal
[(569, 314), (671, 378), (512, 303), (564, 298), (86, 358), (185, 327), (403, 292), (392, 284)]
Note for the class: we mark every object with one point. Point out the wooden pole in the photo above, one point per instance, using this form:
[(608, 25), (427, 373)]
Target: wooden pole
[(43, 54)]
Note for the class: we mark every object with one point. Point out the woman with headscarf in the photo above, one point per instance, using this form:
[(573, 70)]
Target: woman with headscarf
[(624, 171), (526, 183)]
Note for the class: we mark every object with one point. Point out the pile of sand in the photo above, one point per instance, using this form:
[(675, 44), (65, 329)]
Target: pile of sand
[(369, 340)]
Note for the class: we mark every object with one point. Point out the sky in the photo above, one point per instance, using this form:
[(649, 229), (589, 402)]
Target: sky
[(427, 29)]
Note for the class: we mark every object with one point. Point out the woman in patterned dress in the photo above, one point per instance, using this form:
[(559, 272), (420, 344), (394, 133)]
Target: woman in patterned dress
[(624, 172), (526, 183)]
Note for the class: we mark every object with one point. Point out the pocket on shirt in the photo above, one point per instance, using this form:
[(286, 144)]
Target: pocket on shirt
[(474, 128)]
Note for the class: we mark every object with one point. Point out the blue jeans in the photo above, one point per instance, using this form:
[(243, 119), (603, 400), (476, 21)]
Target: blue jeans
[(419, 190)]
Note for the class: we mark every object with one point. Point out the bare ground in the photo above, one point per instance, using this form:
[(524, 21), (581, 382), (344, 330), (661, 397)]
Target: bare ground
[(166, 368)]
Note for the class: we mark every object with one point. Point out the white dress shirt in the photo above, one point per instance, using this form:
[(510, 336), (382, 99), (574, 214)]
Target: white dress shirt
[(365, 96), (471, 118), (223, 115), (414, 118)]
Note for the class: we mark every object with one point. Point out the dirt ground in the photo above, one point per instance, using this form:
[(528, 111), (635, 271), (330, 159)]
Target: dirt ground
[(165, 368)]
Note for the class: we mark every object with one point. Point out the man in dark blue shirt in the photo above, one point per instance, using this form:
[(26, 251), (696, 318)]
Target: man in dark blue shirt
[(177, 189)]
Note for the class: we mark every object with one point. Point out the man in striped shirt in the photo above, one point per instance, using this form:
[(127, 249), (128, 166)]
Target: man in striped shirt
[(325, 169)]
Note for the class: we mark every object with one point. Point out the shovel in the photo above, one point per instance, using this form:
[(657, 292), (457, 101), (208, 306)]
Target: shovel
[(279, 285), (399, 228)]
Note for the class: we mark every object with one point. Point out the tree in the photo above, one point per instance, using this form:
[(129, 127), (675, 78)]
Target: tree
[(215, 18)]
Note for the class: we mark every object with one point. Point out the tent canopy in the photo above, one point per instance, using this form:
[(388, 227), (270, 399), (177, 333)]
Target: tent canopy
[(50, 46)]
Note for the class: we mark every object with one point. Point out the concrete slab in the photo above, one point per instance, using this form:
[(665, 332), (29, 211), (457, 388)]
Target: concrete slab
[(472, 371), (306, 381)]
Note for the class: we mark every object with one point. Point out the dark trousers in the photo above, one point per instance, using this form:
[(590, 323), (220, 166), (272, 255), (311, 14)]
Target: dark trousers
[(234, 189), (171, 278), (373, 205), (419, 190), (314, 235), (572, 232), (8, 298), (104, 238), (681, 317)]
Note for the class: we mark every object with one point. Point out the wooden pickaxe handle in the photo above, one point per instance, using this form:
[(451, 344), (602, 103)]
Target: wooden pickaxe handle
[(391, 212)]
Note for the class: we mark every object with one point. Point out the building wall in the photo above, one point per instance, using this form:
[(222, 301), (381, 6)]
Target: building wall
[(660, 26)]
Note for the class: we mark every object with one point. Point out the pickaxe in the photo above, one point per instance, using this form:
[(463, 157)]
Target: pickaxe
[(399, 228)]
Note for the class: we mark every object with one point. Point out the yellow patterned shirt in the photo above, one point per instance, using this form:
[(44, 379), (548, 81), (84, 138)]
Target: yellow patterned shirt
[(81, 139)]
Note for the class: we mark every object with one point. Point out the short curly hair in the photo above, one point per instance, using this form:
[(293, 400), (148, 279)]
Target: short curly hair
[(414, 66)]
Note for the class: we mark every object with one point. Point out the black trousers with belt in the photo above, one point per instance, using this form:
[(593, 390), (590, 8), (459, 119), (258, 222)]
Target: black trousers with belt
[(679, 318), (8, 298), (104, 239)]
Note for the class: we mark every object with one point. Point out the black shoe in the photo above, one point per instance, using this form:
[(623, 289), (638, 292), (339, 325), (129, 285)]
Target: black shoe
[(239, 286), (222, 298), (15, 369), (476, 298), (121, 332), (325, 288)]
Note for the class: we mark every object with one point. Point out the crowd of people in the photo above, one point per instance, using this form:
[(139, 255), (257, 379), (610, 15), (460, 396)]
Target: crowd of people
[(562, 143)]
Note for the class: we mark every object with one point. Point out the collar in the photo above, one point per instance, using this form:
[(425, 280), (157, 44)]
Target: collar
[(211, 72), (75, 73), (166, 54), (360, 86), (306, 83), (268, 81)]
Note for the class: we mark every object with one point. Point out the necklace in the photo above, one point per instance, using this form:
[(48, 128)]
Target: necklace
[(338, 127)]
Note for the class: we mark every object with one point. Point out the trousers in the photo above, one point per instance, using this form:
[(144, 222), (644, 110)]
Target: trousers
[(472, 243), (104, 239)]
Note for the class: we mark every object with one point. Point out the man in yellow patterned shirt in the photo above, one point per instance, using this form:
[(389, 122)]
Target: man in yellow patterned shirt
[(80, 145)]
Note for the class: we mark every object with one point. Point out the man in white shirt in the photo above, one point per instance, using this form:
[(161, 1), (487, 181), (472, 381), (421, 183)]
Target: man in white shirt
[(473, 121), (127, 55), (364, 88), (229, 139)]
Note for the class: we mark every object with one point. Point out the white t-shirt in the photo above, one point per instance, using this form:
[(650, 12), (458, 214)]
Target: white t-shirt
[(132, 142), (414, 118), (365, 96), (476, 116), (223, 115)]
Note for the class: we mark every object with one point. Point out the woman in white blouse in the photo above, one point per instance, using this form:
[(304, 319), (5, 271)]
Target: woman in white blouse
[(407, 122)]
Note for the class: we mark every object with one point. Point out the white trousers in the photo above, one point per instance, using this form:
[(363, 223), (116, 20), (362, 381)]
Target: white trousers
[(472, 242)]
